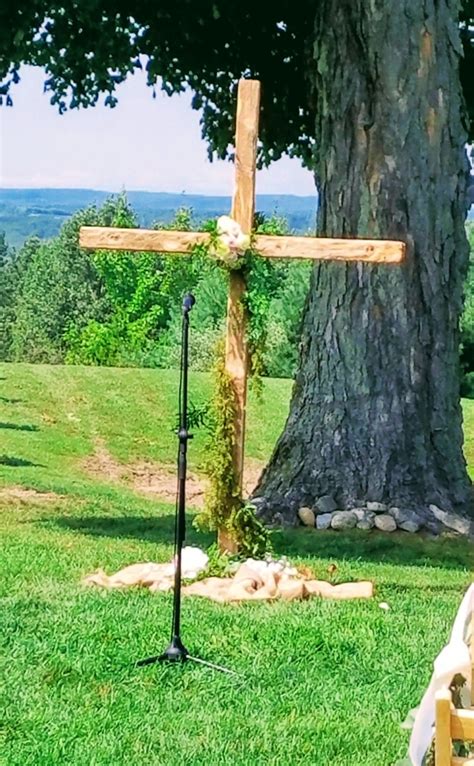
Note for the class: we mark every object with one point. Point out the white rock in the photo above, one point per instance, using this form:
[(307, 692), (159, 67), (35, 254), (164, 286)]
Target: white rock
[(307, 516), (323, 520), (343, 520), (377, 507), (451, 520), (385, 522)]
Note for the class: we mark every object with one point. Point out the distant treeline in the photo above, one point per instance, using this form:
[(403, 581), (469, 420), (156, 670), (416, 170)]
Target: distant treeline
[(41, 212), (60, 304)]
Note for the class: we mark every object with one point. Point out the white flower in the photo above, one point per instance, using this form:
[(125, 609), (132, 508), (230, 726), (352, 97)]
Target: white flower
[(231, 242)]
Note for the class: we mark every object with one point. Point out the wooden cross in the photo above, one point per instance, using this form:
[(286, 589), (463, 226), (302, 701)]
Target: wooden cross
[(243, 210)]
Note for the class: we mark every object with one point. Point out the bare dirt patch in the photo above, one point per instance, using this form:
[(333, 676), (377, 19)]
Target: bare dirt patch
[(159, 480), (23, 495), (155, 479), (103, 465)]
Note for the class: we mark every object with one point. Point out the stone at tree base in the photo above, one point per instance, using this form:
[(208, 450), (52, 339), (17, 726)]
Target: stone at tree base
[(385, 522), (365, 518), (307, 516), (323, 520), (325, 504), (343, 520), (407, 520), (377, 507), (452, 520), (365, 524), (410, 526)]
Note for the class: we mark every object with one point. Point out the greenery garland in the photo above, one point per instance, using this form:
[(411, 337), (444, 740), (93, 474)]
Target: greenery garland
[(224, 507)]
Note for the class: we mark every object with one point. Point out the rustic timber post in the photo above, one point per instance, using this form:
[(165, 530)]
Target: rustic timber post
[(243, 210)]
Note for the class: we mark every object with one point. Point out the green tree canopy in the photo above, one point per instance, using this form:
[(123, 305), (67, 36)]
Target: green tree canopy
[(87, 48)]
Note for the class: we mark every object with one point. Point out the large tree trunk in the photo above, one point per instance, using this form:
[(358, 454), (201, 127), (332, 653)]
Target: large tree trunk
[(375, 413)]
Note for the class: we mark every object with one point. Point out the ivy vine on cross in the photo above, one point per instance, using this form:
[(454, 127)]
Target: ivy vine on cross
[(243, 210)]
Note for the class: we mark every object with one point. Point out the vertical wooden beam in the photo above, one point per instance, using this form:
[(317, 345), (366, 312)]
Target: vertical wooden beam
[(243, 210), (443, 742)]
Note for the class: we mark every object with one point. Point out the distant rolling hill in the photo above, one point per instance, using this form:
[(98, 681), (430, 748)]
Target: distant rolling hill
[(40, 212)]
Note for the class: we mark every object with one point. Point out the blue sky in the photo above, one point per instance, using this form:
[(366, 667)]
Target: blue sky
[(144, 143)]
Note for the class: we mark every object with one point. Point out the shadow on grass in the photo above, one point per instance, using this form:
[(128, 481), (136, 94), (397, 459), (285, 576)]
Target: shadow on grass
[(399, 548), (7, 400), (18, 462), (17, 427), (155, 529)]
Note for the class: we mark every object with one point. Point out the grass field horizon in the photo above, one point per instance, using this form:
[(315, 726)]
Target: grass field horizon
[(322, 682)]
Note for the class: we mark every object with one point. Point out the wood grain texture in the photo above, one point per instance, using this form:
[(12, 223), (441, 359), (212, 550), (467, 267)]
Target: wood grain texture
[(312, 248), (462, 724), (243, 209), (108, 238), (443, 739), (225, 541), (326, 249)]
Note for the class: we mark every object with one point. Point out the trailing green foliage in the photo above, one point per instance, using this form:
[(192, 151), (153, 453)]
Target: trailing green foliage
[(252, 537), (223, 494), (224, 508), (219, 565)]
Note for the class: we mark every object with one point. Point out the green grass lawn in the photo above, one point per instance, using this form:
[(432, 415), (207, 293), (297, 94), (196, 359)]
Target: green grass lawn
[(321, 683)]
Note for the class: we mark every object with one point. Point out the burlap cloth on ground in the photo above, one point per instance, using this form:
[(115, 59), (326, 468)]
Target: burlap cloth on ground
[(248, 584)]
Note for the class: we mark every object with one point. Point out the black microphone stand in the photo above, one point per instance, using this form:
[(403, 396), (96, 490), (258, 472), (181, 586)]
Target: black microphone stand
[(176, 651)]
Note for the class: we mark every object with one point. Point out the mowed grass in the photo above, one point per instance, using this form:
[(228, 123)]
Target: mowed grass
[(320, 682)]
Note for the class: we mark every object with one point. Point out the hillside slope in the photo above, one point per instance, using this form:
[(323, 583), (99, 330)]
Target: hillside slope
[(319, 682)]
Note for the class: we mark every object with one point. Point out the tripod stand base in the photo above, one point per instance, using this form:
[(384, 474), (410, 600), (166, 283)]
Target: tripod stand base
[(175, 652)]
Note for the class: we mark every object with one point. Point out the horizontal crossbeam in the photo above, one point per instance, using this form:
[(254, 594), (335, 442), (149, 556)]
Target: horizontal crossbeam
[(312, 248)]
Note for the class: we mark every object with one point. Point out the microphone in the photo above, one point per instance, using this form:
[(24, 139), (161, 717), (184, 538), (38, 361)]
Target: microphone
[(188, 302)]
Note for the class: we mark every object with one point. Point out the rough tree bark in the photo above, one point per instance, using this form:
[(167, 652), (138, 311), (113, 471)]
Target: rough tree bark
[(375, 413)]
